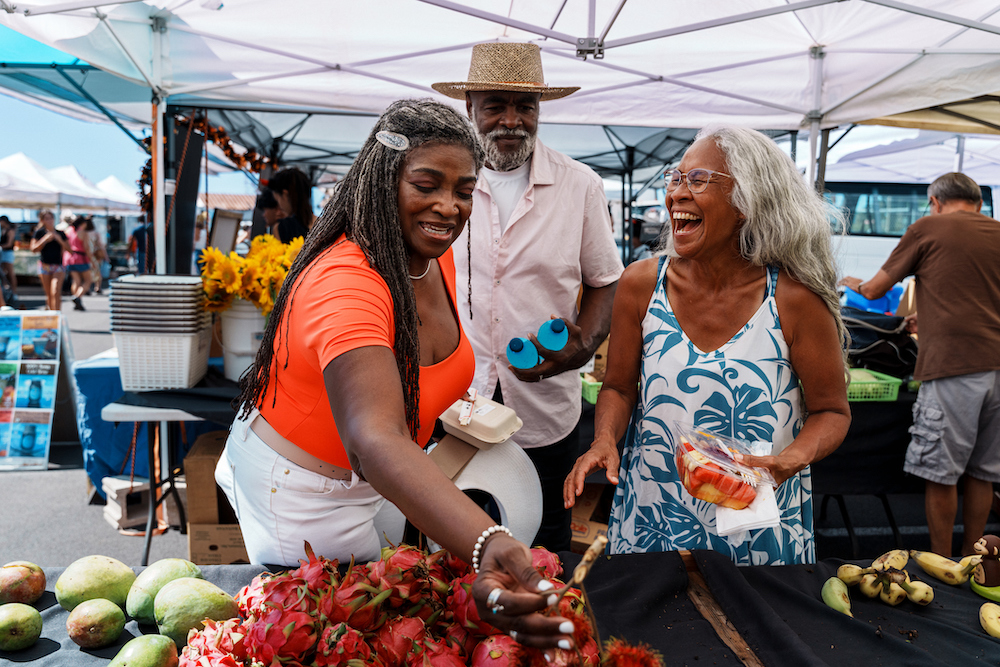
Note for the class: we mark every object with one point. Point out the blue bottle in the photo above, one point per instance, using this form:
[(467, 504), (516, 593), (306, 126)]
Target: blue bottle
[(521, 353), (552, 335)]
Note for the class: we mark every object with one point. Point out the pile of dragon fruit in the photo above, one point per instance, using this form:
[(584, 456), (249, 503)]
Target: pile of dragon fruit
[(408, 609)]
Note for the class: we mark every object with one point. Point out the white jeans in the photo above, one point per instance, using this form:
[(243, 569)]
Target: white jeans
[(281, 505)]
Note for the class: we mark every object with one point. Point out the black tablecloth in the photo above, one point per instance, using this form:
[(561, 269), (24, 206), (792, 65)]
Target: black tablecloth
[(211, 399), (780, 614), (777, 610), (870, 461)]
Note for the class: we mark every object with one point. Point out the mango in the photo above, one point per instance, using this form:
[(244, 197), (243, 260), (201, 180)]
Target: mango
[(147, 651), (93, 577), (182, 605), (95, 623), (21, 581), (139, 603), (20, 626)]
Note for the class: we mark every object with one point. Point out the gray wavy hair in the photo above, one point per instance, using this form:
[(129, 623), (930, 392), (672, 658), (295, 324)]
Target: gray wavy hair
[(786, 223)]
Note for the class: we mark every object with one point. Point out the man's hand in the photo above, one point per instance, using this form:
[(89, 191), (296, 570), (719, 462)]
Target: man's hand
[(911, 323), (571, 357), (852, 282)]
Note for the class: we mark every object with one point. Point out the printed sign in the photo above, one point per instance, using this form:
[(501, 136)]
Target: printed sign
[(29, 367)]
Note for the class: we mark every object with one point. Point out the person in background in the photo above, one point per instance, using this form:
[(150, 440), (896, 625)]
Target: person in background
[(102, 263), (362, 352), (542, 238), (50, 243), (270, 211), (139, 243), (8, 238), (954, 254), (78, 259), (718, 334), (293, 192)]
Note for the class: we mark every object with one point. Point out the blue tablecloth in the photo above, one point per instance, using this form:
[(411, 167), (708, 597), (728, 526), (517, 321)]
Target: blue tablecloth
[(105, 446)]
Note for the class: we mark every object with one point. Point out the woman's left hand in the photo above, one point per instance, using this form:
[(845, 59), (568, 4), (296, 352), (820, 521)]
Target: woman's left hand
[(506, 567), (781, 467)]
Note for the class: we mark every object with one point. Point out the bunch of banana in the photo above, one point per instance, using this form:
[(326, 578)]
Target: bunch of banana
[(884, 579), (989, 618), (945, 569)]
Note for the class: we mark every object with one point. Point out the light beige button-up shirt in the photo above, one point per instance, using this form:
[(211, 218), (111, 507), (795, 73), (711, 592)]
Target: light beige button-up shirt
[(558, 238)]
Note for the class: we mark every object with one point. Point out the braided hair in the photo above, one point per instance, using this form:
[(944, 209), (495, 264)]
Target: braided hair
[(365, 209)]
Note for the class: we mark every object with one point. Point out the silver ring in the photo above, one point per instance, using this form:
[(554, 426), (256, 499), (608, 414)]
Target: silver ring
[(513, 635), (493, 597), (497, 608)]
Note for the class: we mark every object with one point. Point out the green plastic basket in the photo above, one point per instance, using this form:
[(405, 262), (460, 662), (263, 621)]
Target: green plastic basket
[(881, 388), (590, 391)]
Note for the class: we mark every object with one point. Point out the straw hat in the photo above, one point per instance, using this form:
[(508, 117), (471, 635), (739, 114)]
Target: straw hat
[(505, 66)]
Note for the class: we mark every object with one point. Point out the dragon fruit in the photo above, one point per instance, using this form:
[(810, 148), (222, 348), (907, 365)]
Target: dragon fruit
[(546, 562), (463, 606), (280, 636), (402, 571), (434, 653), (397, 638), (459, 638), (319, 573), (497, 651), (355, 602), (342, 645), (217, 644)]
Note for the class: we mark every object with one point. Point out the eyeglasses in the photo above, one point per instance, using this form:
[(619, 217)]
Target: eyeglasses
[(697, 179)]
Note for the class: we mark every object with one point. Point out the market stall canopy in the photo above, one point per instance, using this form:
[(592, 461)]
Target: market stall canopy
[(25, 183), (764, 63), (976, 115), (921, 159)]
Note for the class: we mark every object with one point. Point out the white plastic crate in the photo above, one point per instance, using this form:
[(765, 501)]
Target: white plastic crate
[(148, 362)]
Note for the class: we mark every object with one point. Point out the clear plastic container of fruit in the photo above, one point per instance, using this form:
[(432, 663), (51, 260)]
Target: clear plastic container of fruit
[(709, 471)]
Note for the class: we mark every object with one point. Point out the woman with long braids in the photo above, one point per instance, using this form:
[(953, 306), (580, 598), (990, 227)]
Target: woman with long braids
[(363, 351)]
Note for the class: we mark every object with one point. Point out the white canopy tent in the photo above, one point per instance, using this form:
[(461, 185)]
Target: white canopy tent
[(770, 64), (24, 184)]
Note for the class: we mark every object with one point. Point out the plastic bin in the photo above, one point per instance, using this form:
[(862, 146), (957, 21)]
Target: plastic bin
[(868, 385), (148, 362), (590, 390)]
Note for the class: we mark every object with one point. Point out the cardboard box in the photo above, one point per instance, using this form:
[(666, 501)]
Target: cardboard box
[(590, 515), (214, 536), (218, 544), (451, 455), (600, 361)]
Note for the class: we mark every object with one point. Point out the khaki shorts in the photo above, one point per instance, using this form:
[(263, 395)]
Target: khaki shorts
[(956, 429)]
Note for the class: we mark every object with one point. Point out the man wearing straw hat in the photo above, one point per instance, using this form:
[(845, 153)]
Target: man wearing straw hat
[(540, 236)]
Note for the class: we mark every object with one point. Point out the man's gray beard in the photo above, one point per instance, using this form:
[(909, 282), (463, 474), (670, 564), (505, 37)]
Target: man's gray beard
[(499, 160)]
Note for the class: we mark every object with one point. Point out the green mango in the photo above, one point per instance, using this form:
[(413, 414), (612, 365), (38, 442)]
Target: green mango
[(182, 605), (20, 626), (139, 604), (93, 577), (95, 623), (147, 651)]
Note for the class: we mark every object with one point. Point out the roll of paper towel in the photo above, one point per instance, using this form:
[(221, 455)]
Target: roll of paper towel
[(505, 472)]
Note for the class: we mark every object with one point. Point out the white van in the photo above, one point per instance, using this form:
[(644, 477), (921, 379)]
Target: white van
[(877, 215)]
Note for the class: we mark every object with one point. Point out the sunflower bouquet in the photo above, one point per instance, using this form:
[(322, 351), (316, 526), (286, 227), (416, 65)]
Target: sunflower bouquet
[(257, 278)]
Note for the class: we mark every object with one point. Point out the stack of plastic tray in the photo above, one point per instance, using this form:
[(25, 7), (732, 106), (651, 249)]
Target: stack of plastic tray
[(161, 330)]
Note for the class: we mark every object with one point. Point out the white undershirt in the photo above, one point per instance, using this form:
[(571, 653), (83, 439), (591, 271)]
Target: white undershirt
[(506, 189)]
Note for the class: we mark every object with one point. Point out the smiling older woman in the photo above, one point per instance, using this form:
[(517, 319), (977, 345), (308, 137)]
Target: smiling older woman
[(719, 333)]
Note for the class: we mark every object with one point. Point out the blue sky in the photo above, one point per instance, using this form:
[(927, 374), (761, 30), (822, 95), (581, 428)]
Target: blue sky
[(98, 150)]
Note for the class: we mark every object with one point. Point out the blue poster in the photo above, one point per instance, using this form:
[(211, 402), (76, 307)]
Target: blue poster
[(29, 436), (10, 337), (40, 337), (8, 385), (5, 426), (36, 386)]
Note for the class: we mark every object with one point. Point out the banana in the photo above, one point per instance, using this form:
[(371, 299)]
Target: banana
[(918, 592), (896, 558), (851, 574), (989, 618), (892, 594), (835, 596), (988, 592), (942, 568), (870, 585), (969, 563)]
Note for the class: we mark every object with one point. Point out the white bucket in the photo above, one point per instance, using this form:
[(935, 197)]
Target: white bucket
[(242, 329)]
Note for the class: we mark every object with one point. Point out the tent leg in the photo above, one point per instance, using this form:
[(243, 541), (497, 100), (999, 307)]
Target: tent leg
[(821, 168), (159, 198)]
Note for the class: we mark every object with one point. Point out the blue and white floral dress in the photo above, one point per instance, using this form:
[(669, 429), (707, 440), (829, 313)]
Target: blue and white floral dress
[(745, 389)]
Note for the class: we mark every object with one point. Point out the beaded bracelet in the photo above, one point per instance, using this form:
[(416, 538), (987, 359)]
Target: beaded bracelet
[(489, 532)]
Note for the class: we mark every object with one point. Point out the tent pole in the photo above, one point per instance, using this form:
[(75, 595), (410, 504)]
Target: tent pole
[(159, 199), (625, 218), (821, 169), (960, 153), (815, 115)]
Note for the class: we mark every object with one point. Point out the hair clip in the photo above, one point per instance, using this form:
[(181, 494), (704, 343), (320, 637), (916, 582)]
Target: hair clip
[(396, 142)]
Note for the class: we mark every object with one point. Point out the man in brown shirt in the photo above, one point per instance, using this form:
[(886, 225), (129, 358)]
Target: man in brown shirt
[(954, 254)]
